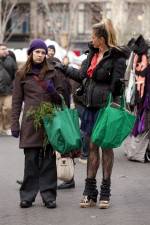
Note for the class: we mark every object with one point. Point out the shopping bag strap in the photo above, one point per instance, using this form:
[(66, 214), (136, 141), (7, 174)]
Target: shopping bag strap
[(122, 100), (63, 104)]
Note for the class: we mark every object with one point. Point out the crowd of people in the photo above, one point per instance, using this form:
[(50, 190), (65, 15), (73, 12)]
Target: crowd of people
[(44, 78)]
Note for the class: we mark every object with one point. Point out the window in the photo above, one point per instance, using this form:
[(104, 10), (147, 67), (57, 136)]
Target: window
[(19, 22), (59, 16), (20, 25), (135, 17), (81, 18), (88, 14)]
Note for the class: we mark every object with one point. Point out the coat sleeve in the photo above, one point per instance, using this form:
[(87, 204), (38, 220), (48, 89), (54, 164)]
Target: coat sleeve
[(117, 75), (60, 87), (17, 100), (77, 74)]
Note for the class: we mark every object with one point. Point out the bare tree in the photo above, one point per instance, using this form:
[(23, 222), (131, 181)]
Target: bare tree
[(9, 8), (60, 18), (73, 7), (96, 11)]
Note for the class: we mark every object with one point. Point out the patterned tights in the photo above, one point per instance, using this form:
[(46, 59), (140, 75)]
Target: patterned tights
[(94, 161)]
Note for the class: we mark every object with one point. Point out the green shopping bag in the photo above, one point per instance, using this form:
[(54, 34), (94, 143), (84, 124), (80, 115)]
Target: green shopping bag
[(63, 130), (113, 125)]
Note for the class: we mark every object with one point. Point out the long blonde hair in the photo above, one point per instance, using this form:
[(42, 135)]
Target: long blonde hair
[(106, 30)]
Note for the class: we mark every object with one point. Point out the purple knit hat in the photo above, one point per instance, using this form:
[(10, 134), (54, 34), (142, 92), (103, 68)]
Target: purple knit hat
[(35, 44)]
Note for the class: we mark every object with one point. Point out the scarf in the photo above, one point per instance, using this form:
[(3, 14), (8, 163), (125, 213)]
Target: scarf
[(36, 68), (92, 65)]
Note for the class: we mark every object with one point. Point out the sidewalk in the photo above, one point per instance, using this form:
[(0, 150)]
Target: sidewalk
[(130, 201)]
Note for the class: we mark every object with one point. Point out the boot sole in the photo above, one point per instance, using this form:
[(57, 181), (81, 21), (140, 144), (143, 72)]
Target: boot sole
[(87, 205), (104, 205)]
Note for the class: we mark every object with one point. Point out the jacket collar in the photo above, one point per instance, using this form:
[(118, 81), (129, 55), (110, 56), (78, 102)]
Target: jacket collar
[(118, 51)]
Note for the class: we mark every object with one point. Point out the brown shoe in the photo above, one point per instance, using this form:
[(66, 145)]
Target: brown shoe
[(86, 202)]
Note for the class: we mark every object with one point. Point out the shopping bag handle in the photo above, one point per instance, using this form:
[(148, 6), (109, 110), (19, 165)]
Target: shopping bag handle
[(122, 101), (63, 104)]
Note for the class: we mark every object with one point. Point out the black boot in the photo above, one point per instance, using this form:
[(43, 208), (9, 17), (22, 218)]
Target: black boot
[(105, 194), (50, 204), (67, 185), (90, 193), (25, 204)]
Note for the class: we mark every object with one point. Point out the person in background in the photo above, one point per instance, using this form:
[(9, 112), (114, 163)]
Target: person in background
[(141, 100), (8, 68), (76, 88), (12, 54), (36, 82), (99, 76), (71, 183), (65, 60), (51, 55)]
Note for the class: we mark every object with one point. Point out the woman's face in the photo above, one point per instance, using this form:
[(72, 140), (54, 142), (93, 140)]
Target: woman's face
[(39, 55), (97, 41)]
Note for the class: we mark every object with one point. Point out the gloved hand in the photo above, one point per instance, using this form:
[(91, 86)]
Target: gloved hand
[(48, 86), (15, 133)]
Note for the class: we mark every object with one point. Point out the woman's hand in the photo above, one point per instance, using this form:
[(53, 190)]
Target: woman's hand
[(48, 86)]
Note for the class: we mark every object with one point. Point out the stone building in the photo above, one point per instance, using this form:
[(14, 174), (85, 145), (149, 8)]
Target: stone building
[(69, 21)]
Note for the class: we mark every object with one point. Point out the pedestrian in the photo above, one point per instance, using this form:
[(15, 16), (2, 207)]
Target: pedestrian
[(140, 101), (8, 68), (66, 60), (76, 87), (51, 59), (36, 82), (99, 76), (70, 183), (51, 55)]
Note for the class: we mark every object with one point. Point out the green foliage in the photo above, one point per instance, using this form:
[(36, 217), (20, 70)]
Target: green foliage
[(38, 113)]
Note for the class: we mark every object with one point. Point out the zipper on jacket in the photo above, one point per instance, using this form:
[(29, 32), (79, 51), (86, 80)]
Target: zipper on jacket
[(89, 93)]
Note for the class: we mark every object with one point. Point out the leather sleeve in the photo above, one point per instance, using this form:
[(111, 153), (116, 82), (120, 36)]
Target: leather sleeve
[(118, 74)]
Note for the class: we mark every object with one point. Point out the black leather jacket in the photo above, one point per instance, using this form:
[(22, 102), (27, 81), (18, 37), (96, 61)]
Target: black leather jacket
[(106, 77)]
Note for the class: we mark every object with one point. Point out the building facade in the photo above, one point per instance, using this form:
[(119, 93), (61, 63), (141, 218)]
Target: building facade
[(69, 22)]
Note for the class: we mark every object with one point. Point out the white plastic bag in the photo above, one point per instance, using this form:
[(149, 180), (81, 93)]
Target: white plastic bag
[(130, 89), (135, 147)]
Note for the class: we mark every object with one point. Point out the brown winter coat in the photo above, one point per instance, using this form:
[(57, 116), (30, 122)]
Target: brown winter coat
[(29, 92)]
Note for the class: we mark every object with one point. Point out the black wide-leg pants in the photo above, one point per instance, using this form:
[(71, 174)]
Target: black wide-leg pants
[(40, 174)]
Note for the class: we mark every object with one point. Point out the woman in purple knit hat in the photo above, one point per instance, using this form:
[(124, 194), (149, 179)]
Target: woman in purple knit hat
[(36, 82)]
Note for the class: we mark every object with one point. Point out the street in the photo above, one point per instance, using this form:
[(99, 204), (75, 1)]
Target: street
[(130, 200)]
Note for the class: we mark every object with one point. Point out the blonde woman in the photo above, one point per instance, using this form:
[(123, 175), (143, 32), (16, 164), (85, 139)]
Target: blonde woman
[(99, 75)]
